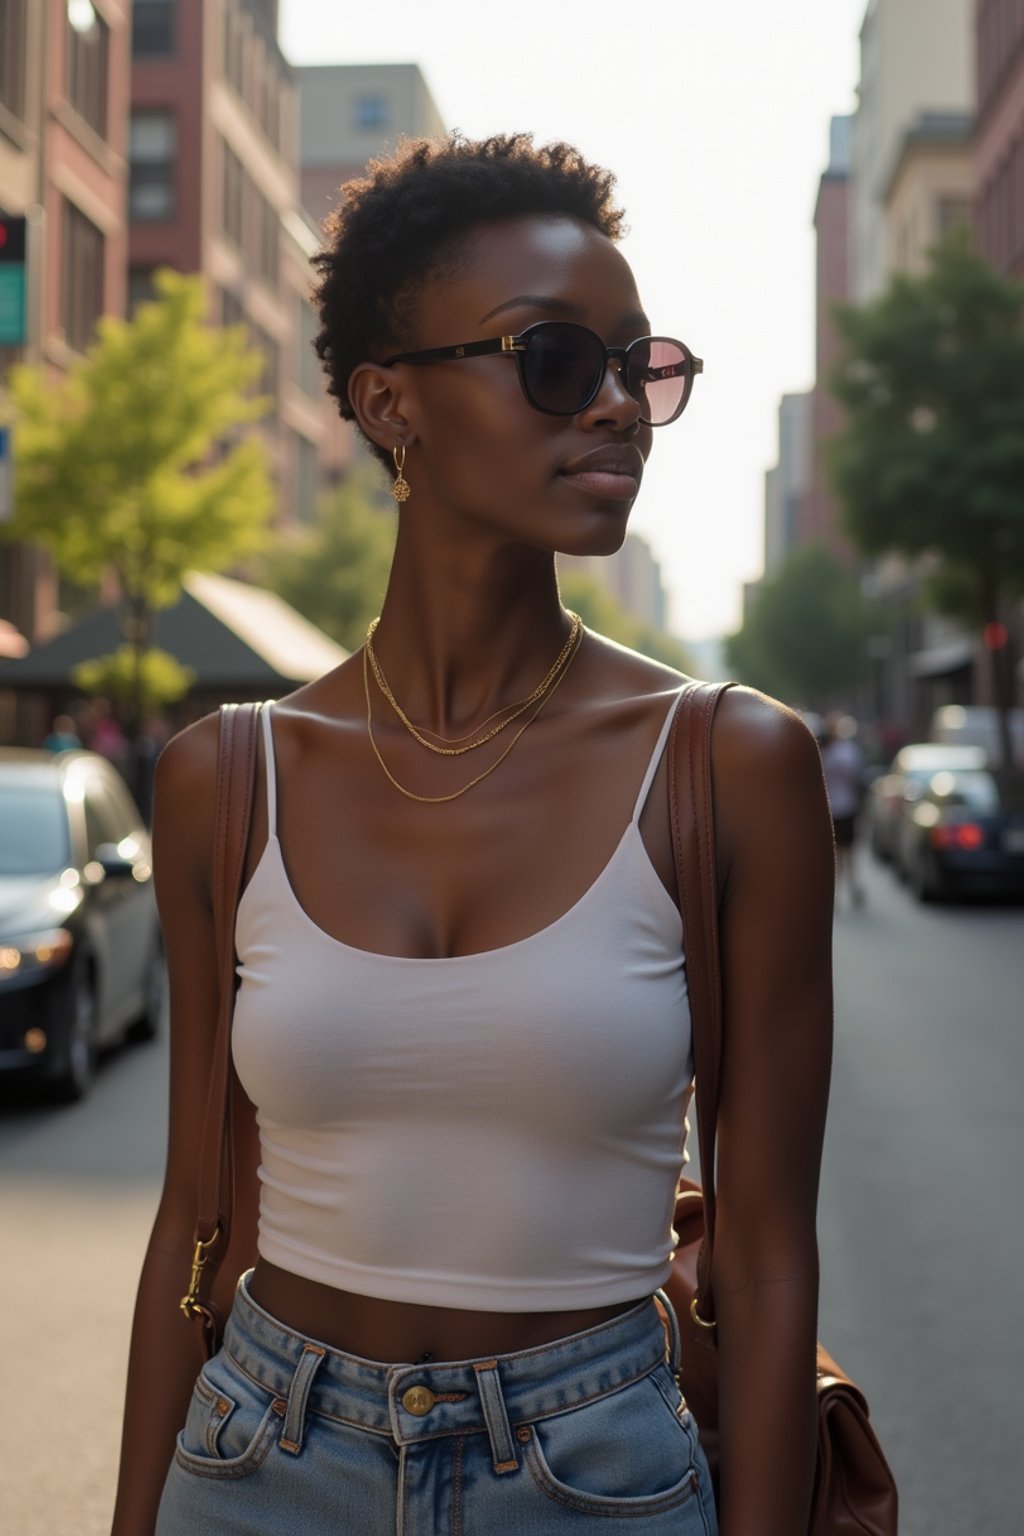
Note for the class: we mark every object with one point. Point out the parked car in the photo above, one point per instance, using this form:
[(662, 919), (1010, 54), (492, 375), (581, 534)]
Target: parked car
[(891, 792), (81, 962), (964, 835)]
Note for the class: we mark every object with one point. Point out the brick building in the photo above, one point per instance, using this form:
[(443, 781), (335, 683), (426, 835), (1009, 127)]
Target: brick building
[(999, 134), (214, 189), (64, 91)]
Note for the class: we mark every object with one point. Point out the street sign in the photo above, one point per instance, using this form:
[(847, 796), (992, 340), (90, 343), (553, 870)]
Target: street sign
[(6, 476), (12, 282)]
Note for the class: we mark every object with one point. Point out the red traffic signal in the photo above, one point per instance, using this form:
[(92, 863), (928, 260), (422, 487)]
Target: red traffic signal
[(12, 240)]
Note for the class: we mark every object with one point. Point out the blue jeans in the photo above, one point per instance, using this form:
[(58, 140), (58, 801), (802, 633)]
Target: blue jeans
[(285, 1437)]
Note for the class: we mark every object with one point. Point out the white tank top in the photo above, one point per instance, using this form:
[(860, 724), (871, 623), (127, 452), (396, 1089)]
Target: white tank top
[(501, 1131)]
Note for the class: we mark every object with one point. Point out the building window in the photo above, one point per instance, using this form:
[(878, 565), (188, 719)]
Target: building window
[(82, 278), (268, 382), (270, 241), (88, 39), (372, 115), (140, 287), (12, 56), (153, 28), (308, 372), (234, 48), (951, 213), (152, 151), (232, 310), (305, 478), (234, 195)]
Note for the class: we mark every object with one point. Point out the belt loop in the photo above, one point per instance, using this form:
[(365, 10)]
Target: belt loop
[(499, 1430), (675, 1346), (298, 1395)]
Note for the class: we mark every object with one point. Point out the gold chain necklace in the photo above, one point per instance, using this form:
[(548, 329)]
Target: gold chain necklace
[(451, 749), (442, 799)]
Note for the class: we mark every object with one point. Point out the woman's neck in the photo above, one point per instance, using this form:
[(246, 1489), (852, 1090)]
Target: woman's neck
[(478, 634)]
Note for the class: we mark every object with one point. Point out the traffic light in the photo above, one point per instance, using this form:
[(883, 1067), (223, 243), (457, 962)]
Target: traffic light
[(12, 281)]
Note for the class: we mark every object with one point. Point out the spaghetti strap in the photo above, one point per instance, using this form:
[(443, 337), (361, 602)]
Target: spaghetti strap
[(268, 753), (659, 747)]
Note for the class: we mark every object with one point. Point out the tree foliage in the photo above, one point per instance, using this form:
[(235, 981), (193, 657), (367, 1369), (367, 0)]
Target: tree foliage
[(931, 461), (335, 572), (804, 637), (116, 463), (162, 680)]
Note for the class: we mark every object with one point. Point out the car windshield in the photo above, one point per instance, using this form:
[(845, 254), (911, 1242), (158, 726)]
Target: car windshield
[(33, 830), (977, 791)]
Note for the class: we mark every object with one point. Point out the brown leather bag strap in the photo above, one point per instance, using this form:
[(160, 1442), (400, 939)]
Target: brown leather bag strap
[(236, 773), (693, 839)]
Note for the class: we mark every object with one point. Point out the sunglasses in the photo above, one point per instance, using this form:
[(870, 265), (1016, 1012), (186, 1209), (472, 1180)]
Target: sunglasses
[(562, 367)]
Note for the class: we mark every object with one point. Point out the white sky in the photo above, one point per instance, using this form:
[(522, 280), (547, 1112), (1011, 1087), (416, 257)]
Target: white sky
[(714, 115)]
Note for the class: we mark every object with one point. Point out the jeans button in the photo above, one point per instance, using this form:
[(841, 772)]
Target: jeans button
[(418, 1400)]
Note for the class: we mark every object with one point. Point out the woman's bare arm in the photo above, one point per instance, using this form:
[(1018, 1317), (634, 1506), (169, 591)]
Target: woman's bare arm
[(775, 846), (165, 1349)]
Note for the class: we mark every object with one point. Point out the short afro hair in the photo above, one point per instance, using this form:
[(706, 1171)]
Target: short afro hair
[(397, 229)]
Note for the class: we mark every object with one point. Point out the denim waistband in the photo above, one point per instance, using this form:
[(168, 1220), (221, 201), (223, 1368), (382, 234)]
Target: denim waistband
[(422, 1401)]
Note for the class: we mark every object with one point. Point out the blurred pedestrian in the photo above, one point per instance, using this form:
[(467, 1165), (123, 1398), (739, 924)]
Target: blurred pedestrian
[(843, 762), (106, 736), (62, 736), (462, 1032)]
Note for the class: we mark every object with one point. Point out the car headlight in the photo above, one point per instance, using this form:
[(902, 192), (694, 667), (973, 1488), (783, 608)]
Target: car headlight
[(34, 952)]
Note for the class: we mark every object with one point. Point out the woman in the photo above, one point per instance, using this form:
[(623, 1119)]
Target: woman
[(462, 1015)]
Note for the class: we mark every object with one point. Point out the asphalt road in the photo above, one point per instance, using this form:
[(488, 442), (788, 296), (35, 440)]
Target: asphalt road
[(921, 1219)]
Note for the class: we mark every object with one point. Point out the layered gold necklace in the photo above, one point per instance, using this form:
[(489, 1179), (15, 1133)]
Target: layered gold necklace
[(455, 746)]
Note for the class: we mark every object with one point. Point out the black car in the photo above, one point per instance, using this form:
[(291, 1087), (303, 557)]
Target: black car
[(964, 835), (81, 963)]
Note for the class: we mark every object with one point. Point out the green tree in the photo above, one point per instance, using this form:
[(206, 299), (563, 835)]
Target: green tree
[(132, 464), (804, 637), (931, 462), (117, 677), (336, 572), (601, 611)]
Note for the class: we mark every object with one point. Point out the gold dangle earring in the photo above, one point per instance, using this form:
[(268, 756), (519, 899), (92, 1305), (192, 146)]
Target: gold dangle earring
[(400, 488)]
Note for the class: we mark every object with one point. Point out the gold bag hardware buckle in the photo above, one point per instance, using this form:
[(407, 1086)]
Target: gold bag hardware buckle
[(190, 1303)]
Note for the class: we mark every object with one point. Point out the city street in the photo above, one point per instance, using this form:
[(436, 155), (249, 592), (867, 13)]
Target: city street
[(922, 1228)]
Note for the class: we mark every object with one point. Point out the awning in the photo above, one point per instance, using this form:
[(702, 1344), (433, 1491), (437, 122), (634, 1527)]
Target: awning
[(939, 660), (233, 636), (12, 641)]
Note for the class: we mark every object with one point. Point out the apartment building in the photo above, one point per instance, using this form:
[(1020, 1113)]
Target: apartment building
[(787, 482), (348, 113), (917, 57), (817, 514), (351, 112), (999, 133), (64, 88), (214, 189)]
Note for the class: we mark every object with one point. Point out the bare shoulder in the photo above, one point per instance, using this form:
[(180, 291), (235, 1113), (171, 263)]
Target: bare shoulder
[(769, 788), (184, 803), (754, 734)]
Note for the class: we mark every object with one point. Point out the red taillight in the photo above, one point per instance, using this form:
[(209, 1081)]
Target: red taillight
[(965, 835)]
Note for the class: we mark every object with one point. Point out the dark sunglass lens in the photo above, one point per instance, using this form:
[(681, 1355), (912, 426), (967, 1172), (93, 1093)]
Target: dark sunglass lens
[(562, 367), (657, 376)]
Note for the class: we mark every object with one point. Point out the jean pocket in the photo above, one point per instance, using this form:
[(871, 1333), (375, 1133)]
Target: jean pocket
[(231, 1425), (629, 1453)]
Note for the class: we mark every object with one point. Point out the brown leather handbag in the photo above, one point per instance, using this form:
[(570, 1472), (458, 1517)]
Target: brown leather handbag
[(236, 776), (854, 1491)]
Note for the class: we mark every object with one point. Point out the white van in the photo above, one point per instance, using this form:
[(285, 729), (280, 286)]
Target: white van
[(977, 726)]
